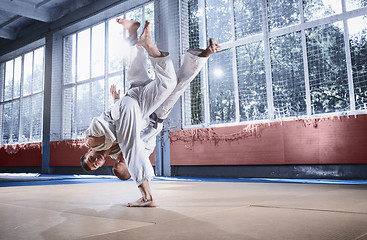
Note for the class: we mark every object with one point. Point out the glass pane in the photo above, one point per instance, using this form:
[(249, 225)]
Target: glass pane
[(98, 97), (17, 76), (15, 122), (218, 18), (136, 14), (195, 20), (68, 113), (7, 120), (149, 16), (38, 70), (287, 75), (252, 82), (28, 66), (8, 80), (283, 13), (248, 17), (193, 101), (321, 8), (82, 114), (37, 102), (26, 119), (83, 55), (193, 97), (221, 87), (327, 68), (358, 49), (355, 4), (118, 81), (69, 58), (117, 46), (98, 46)]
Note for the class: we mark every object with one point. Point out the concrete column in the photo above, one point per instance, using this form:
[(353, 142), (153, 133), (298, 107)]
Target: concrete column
[(167, 19), (47, 105)]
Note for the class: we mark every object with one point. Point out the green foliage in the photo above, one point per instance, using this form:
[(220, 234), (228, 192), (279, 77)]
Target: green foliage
[(358, 51), (288, 75), (251, 81), (327, 69), (325, 54)]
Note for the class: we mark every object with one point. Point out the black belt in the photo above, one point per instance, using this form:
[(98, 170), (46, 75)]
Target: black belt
[(155, 119)]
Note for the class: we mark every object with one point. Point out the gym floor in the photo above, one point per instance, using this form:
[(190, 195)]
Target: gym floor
[(93, 207)]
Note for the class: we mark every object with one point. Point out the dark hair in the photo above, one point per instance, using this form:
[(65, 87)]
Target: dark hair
[(84, 165)]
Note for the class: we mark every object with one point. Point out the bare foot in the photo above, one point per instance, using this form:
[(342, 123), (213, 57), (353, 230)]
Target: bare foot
[(142, 203), (145, 40), (130, 25), (146, 37), (212, 48)]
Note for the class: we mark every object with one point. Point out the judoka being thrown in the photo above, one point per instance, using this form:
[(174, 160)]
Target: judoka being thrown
[(127, 131)]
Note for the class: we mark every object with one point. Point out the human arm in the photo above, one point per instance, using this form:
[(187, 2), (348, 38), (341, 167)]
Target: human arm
[(92, 141)]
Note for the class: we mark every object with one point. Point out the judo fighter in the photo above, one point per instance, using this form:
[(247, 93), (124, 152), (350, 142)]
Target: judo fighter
[(127, 131)]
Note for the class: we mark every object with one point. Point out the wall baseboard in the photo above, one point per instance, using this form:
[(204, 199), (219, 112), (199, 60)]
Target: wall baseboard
[(347, 171)]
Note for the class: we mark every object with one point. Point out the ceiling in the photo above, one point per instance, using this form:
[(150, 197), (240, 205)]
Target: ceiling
[(18, 15)]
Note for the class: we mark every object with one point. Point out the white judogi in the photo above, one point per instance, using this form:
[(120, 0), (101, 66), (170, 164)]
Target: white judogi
[(191, 66), (130, 115)]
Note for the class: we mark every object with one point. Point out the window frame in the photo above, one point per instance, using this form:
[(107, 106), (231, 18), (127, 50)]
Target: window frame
[(12, 56), (107, 75), (265, 36)]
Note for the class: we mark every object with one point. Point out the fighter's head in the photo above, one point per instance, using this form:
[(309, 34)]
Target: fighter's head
[(92, 160)]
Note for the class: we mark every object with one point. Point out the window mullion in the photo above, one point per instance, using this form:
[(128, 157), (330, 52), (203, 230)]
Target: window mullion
[(21, 98), (269, 88), (90, 73), (12, 97), (348, 61), (205, 70), (234, 68), (11, 100), (143, 13), (2, 83), (305, 61), (75, 116), (31, 100), (12, 80), (106, 64)]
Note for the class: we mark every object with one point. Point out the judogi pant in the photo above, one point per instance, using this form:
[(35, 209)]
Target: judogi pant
[(137, 138)]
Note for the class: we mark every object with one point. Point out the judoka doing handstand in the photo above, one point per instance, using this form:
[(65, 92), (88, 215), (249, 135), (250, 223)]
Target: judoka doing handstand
[(127, 132)]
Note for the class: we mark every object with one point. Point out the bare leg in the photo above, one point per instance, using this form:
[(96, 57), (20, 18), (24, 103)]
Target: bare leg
[(147, 199), (120, 169), (191, 66), (131, 26), (146, 41)]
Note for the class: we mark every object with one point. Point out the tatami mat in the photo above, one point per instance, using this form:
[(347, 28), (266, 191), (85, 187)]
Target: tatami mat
[(187, 210)]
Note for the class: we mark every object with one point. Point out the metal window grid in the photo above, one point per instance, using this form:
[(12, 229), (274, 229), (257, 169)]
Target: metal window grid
[(297, 26)]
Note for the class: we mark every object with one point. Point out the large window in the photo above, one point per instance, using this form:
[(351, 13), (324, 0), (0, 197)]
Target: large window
[(21, 100), (94, 59), (280, 59)]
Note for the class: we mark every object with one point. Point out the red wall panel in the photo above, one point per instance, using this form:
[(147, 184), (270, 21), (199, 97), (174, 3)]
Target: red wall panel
[(68, 153), (331, 140), (24, 155)]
